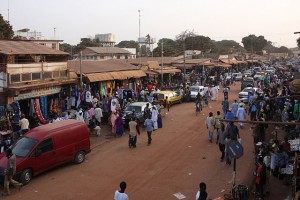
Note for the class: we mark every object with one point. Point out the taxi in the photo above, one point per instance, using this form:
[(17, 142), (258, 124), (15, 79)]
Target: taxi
[(173, 97)]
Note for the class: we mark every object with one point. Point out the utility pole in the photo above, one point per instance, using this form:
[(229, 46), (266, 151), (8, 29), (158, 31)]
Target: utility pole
[(81, 70), (8, 11), (162, 62), (182, 37), (140, 48), (54, 33)]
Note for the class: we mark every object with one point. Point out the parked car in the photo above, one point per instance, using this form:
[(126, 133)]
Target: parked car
[(173, 97), (244, 93), (270, 69), (259, 76), (135, 109), (247, 82), (48, 146), (195, 90), (238, 76)]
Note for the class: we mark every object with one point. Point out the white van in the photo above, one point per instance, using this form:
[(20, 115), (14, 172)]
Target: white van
[(195, 89)]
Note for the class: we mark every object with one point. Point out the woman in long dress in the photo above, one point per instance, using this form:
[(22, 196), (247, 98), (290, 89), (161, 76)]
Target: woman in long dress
[(119, 125), (154, 117), (241, 115), (113, 119)]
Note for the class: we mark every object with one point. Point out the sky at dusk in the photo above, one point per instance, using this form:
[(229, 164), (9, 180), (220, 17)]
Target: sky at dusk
[(277, 20)]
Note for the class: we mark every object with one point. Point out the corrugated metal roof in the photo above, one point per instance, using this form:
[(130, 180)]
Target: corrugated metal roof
[(98, 66), (121, 75), (168, 71), (108, 50), (10, 47)]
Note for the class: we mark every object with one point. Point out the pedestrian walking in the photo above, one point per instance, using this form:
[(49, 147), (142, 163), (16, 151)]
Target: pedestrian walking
[(229, 116), (217, 120), (149, 124), (232, 131), (210, 125), (154, 117), (241, 115), (235, 107), (133, 131), (225, 106), (119, 125), (221, 140), (120, 194), (201, 194), (10, 172), (98, 114), (113, 119)]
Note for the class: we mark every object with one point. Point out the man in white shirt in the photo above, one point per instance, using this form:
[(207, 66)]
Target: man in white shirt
[(24, 125), (121, 195)]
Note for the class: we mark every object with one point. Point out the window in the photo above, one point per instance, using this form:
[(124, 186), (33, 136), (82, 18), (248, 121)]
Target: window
[(15, 78), (53, 46), (45, 146), (36, 76), (26, 77), (23, 146), (47, 75), (55, 74), (64, 73)]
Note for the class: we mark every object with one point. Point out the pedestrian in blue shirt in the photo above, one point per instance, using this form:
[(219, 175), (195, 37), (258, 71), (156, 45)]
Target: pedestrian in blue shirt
[(149, 124)]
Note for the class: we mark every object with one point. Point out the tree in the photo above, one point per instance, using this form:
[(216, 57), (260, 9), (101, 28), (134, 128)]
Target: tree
[(170, 47), (86, 42), (227, 46), (68, 48), (199, 42), (254, 44), (129, 44), (298, 42), (6, 30)]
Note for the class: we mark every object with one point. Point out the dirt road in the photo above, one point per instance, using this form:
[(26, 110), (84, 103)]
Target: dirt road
[(179, 158)]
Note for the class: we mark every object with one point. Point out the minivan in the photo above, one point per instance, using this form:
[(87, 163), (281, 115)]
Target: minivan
[(195, 90), (48, 146), (173, 97)]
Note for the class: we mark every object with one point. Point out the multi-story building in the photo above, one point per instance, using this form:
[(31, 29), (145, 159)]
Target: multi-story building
[(36, 37), (29, 70), (105, 53)]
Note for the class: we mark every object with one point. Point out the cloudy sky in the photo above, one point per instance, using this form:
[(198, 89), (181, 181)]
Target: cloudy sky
[(277, 20)]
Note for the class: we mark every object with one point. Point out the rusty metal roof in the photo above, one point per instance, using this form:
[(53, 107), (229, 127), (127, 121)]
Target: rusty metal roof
[(95, 66), (11, 47)]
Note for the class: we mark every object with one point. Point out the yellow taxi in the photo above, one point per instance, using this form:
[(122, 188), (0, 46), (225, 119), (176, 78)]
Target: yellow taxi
[(173, 97)]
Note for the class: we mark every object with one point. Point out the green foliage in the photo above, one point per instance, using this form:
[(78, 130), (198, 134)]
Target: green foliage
[(171, 48), (298, 42), (254, 43), (199, 42), (272, 49), (129, 44), (227, 46), (6, 30), (86, 42), (68, 48)]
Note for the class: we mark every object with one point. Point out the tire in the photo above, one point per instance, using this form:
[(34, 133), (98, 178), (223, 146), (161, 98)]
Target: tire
[(80, 157), (26, 176)]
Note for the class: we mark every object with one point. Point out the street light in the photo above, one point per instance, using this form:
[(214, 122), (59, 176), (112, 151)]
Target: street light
[(296, 32)]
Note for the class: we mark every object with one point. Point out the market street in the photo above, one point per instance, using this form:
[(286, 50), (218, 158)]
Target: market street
[(179, 158)]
